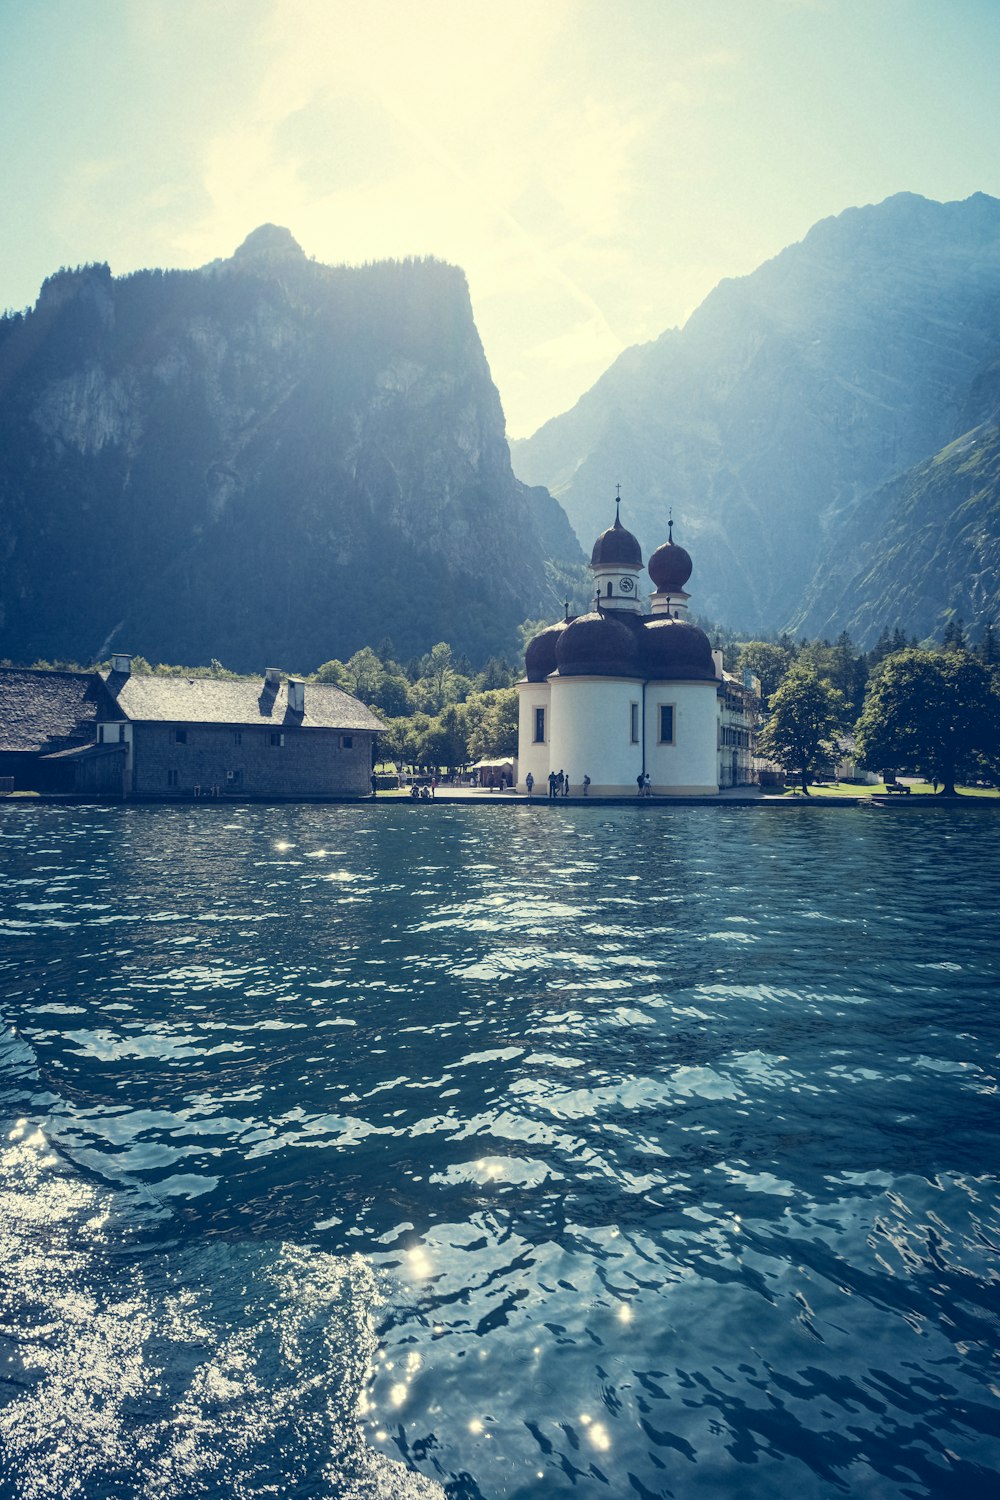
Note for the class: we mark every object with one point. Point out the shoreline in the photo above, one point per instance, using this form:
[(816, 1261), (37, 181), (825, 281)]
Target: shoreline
[(462, 796)]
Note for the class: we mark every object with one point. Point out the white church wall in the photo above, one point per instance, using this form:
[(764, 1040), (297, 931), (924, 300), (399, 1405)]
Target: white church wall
[(688, 766), (533, 755), (591, 732)]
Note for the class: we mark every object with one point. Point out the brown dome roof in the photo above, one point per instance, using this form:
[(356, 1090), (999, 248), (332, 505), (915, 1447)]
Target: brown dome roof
[(616, 547), (676, 651), (540, 656), (599, 645), (670, 568)]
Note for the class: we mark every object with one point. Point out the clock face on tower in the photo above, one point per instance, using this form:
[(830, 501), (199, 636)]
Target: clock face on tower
[(626, 585)]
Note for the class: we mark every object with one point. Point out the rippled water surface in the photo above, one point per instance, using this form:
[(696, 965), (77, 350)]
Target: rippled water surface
[(396, 1151)]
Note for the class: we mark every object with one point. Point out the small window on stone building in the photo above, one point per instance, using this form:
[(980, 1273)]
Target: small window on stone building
[(237, 736), (634, 714), (666, 723), (539, 726), (180, 736), (277, 739), (347, 742), (172, 778)]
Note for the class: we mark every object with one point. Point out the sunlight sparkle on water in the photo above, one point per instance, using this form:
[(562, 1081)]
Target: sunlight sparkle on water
[(436, 1191), (419, 1262)]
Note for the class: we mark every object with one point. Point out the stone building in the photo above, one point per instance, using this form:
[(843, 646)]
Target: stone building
[(157, 736), (619, 695), (46, 718)]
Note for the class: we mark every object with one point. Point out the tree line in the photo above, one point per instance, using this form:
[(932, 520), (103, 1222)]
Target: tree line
[(931, 709), (439, 710)]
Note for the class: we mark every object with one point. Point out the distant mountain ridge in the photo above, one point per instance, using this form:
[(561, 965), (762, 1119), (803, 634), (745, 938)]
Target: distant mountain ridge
[(774, 421), (267, 461), (933, 553)]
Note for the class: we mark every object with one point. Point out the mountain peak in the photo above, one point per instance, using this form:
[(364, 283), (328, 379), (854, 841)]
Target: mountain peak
[(269, 240)]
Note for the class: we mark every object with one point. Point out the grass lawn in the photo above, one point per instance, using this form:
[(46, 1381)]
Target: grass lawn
[(917, 789)]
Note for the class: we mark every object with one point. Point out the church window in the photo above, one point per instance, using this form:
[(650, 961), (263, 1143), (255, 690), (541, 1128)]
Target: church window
[(634, 709), (666, 723), (539, 726)]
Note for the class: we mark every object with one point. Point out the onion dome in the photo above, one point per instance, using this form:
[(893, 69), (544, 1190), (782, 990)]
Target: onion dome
[(540, 656), (670, 566), (616, 548), (676, 651), (599, 645)]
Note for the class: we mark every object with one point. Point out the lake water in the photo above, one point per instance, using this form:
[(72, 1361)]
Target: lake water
[(495, 1152)]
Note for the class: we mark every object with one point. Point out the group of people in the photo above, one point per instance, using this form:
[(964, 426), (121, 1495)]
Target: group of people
[(642, 781), (558, 784)]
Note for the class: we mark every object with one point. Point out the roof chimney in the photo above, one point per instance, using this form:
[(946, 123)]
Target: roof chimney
[(296, 695), (121, 664), (272, 677)]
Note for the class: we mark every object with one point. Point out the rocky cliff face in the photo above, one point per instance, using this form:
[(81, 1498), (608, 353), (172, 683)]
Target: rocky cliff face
[(267, 460), (771, 421), (931, 554)]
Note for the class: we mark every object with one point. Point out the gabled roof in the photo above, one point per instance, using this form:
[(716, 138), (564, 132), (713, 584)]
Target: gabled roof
[(242, 702), (46, 711)]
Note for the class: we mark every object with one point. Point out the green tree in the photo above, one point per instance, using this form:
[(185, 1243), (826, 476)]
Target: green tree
[(491, 723), (933, 712), (954, 635), (767, 661), (439, 669), (333, 672), (443, 742), (805, 716), (495, 674), (392, 695), (396, 743), (363, 674)]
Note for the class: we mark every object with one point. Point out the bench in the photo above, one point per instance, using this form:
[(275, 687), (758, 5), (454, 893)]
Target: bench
[(897, 786)]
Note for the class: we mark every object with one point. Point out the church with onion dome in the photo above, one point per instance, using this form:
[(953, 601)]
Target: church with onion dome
[(619, 695)]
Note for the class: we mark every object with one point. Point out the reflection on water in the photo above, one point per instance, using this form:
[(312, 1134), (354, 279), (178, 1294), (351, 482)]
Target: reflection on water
[(549, 1151), (213, 1369)]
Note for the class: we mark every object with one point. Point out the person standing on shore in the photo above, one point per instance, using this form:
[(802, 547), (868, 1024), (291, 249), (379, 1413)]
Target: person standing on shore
[(586, 786), (529, 782)]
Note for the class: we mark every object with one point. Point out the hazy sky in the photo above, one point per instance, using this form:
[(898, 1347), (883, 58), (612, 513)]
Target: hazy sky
[(596, 166)]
